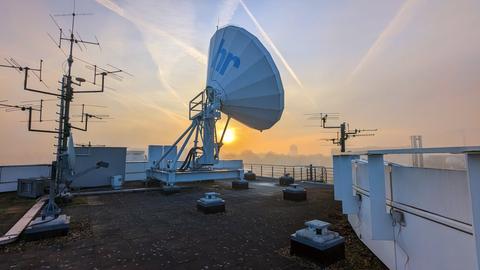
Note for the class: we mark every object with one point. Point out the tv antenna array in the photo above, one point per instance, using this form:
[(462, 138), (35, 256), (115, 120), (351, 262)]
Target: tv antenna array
[(344, 132), (62, 168)]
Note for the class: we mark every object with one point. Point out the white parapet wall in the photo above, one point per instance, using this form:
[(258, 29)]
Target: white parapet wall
[(9, 174), (136, 171), (437, 231)]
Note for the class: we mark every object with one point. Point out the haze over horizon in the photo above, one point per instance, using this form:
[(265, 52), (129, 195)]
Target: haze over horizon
[(404, 67)]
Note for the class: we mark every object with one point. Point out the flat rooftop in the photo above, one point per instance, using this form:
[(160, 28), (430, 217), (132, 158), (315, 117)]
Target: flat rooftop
[(149, 230)]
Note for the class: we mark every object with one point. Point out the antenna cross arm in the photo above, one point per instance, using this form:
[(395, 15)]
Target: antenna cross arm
[(87, 116), (30, 109), (25, 85), (331, 126)]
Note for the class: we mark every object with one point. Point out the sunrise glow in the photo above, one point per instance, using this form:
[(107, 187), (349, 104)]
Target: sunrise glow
[(229, 136)]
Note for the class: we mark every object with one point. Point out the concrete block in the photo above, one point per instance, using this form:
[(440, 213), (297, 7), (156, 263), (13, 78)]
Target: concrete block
[(240, 184), (211, 203), (49, 227), (295, 193), (318, 243)]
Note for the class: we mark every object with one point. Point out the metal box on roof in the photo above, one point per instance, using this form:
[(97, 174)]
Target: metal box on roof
[(31, 187)]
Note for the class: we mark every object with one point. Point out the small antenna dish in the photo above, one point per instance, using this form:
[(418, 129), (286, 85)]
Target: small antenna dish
[(242, 71), (80, 80)]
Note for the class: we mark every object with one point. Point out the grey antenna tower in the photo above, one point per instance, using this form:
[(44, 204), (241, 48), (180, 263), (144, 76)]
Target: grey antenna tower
[(416, 142), (63, 166), (344, 132)]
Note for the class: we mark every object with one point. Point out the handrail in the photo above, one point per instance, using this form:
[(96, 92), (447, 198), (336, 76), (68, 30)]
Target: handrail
[(309, 172), (194, 103), (431, 150)]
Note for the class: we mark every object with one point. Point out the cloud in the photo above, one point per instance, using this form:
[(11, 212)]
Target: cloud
[(152, 34), (112, 6), (147, 27), (271, 44), (395, 26), (227, 10)]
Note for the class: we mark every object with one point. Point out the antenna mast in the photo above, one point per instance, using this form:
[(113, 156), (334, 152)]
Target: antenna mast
[(62, 167), (344, 132)]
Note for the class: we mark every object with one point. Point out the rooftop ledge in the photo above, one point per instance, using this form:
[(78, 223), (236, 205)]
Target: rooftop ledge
[(432, 150)]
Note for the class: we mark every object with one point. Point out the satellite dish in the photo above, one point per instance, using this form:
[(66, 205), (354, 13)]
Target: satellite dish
[(243, 71), (243, 83), (80, 80)]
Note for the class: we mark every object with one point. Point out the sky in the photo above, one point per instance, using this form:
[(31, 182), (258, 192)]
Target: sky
[(402, 67)]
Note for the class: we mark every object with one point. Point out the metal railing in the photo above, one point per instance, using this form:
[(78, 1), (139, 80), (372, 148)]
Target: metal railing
[(196, 105), (298, 172)]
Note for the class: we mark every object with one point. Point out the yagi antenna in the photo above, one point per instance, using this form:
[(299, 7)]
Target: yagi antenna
[(119, 70), (344, 132), (82, 41), (59, 44), (26, 107), (90, 105), (76, 39), (99, 46), (83, 115), (37, 72), (113, 72), (73, 14)]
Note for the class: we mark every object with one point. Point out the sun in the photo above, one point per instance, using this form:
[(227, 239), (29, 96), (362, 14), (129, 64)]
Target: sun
[(229, 136)]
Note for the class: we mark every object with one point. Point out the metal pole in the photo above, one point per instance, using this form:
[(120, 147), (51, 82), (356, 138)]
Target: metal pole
[(175, 143), (224, 129), (51, 209), (183, 147), (342, 137), (66, 98), (68, 94)]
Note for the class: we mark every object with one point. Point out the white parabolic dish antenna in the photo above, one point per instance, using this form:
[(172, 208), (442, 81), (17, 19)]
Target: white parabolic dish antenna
[(243, 71), (243, 83)]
